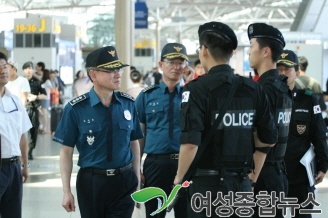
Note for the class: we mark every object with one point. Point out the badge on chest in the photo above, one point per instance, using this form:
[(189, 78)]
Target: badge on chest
[(90, 138)]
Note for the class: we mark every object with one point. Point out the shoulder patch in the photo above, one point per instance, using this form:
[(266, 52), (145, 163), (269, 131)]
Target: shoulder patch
[(149, 88), (77, 100), (123, 94)]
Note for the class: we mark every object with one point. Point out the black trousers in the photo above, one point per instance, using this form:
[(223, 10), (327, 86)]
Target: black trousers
[(208, 189), (11, 190), (160, 173), (301, 191), (272, 178), (106, 196), (33, 114)]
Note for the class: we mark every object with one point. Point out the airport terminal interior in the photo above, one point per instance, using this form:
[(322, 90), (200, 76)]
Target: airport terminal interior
[(61, 33)]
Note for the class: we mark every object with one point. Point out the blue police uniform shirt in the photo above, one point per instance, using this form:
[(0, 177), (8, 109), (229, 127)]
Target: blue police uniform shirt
[(90, 125), (159, 110)]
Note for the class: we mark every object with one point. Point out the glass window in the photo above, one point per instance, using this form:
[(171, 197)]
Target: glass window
[(19, 40)]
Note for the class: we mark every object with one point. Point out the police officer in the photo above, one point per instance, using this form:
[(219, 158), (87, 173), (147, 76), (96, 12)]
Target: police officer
[(266, 44), (104, 127), (14, 122), (33, 104), (158, 111), (306, 126), (228, 158)]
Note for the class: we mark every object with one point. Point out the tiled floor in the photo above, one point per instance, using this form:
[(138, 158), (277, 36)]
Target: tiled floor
[(43, 192)]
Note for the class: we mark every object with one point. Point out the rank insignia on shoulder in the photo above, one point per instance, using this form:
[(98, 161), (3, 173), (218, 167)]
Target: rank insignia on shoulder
[(148, 88), (123, 94), (77, 100)]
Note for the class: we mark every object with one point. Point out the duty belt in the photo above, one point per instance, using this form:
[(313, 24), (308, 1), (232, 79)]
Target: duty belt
[(108, 172), (169, 156), (10, 160), (206, 172)]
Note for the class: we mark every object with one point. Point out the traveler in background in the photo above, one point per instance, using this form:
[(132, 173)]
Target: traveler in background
[(17, 85), (136, 77), (33, 105), (199, 69)]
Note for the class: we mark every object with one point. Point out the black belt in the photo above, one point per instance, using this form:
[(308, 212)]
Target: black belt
[(10, 160), (205, 172), (169, 156), (108, 172)]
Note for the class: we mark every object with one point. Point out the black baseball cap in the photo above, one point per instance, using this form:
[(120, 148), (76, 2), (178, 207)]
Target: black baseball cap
[(263, 30), (288, 58), (220, 28), (173, 51), (105, 58)]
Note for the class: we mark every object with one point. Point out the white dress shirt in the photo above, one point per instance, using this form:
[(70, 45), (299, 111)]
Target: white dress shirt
[(14, 122)]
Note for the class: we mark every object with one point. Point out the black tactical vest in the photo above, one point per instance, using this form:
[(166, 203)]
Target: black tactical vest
[(282, 115), (233, 142)]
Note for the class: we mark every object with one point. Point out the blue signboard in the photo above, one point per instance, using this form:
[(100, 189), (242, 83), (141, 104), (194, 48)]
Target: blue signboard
[(141, 15)]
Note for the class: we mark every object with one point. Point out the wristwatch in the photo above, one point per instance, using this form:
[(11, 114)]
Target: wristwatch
[(27, 165)]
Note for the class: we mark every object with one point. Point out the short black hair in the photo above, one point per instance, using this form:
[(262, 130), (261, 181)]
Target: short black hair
[(275, 47), (42, 65), (3, 56), (197, 62), (135, 76), (303, 62), (217, 45)]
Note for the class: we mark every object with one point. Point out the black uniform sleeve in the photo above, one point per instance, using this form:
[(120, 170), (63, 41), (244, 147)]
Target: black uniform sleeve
[(318, 131), (191, 115), (264, 120)]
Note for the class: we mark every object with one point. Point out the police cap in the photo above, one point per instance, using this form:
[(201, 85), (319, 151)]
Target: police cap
[(173, 51), (105, 58), (263, 30), (288, 58), (220, 28), (27, 65)]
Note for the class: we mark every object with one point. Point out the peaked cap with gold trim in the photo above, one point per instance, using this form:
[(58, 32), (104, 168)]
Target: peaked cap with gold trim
[(288, 58), (105, 58), (173, 51)]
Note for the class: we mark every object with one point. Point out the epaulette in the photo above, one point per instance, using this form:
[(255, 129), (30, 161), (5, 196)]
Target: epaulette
[(281, 83), (308, 92), (123, 94), (77, 100), (149, 88)]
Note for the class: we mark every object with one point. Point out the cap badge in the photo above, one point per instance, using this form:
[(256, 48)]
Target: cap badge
[(127, 115), (177, 48), (284, 55), (250, 30), (112, 53)]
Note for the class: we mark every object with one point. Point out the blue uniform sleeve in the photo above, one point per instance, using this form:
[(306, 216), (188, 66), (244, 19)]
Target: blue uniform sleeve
[(137, 132), (67, 129), (139, 103)]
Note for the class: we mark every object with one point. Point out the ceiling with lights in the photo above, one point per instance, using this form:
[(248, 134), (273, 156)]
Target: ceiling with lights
[(181, 18)]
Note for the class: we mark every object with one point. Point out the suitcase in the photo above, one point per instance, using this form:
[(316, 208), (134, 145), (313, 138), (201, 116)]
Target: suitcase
[(55, 116)]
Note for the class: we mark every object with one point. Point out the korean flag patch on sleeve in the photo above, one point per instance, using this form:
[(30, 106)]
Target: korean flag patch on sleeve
[(316, 109), (185, 96)]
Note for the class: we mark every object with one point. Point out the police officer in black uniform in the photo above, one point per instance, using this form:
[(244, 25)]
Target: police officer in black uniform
[(266, 45), (224, 165), (306, 127), (33, 105)]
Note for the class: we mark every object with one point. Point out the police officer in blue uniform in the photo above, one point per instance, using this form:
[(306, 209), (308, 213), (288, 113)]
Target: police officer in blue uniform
[(266, 45), (228, 157), (306, 127), (158, 111), (104, 127)]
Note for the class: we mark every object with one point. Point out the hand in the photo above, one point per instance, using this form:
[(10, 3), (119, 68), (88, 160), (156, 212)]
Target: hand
[(24, 174), (31, 97), (188, 74), (68, 202), (320, 177), (177, 180), (253, 177)]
